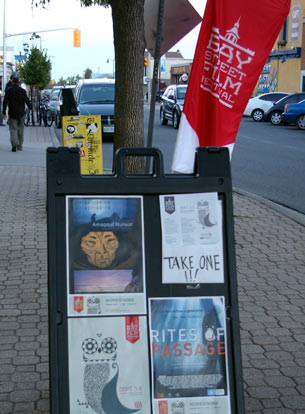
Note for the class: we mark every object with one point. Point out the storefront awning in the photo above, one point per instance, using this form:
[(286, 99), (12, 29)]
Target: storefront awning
[(179, 19)]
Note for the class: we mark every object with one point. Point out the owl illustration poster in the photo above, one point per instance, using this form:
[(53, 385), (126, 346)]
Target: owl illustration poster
[(192, 241), (188, 354), (105, 255), (108, 365)]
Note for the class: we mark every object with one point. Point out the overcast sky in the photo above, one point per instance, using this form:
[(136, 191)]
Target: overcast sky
[(95, 23)]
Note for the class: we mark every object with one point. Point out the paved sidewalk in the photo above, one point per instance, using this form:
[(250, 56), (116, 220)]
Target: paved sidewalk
[(271, 283)]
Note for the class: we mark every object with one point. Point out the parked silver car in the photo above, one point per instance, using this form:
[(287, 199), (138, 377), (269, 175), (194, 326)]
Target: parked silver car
[(172, 102)]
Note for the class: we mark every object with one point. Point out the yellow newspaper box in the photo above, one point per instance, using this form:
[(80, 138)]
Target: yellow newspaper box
[(85, 132)]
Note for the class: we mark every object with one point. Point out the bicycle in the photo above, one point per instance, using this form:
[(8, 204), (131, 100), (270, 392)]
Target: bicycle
[(45, 113), (49, 118), (32, 117), (27, 117)]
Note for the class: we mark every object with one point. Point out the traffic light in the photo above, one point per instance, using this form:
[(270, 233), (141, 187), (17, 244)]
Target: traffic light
[(76, 38), (146, 61)]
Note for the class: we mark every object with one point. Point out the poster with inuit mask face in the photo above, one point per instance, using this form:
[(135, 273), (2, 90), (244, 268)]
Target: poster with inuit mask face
[(105, 255)]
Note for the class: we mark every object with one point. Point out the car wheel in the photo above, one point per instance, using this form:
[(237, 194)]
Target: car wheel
[(301, 122), (163, 120), (176, 120), (257, 115), (276, 118)]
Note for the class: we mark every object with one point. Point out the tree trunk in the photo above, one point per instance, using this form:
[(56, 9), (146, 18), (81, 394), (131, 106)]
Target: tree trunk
[(129, 44)]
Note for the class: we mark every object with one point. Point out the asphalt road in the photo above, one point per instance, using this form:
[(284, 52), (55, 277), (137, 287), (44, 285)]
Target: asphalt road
[(267, 160), (270, 161)]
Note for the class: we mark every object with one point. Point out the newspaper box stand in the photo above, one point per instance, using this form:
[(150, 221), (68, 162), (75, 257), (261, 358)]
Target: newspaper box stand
[(142, 317)]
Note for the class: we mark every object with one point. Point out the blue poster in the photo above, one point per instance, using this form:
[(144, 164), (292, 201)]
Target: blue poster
[(105, 251), (188, 350)]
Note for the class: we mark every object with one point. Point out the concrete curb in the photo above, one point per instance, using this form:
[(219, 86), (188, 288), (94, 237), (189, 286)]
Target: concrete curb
[(292, 214), (54, 138)]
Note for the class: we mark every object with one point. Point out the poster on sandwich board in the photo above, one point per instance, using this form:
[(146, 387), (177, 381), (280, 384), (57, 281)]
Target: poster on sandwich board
[(189, 355), (108, 365), (192, 241), (105, 255)]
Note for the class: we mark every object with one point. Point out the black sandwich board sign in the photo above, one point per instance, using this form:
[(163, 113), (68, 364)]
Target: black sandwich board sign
[(143, 307)]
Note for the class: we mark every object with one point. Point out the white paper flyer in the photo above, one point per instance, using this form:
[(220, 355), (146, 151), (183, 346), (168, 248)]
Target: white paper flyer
[(192, 242), (108, 365)]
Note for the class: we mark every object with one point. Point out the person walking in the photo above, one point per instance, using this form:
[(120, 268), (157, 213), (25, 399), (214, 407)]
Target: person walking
[(15, 98)]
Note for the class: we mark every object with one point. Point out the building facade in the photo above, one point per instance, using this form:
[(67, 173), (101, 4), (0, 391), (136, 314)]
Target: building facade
[(285, 67)]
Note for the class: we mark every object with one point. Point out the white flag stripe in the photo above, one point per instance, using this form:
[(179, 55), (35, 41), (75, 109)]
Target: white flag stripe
[(186, 144)]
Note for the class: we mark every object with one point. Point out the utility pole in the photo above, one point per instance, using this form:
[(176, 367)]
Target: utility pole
[(155, 80), (4, 49)]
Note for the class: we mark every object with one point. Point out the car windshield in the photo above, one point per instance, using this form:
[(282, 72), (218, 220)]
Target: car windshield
[(285, 98), (181, 92), (98, 93), (54, 94)]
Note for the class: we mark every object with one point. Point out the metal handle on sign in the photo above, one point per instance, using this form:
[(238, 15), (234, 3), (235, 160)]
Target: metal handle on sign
[(155, 153)]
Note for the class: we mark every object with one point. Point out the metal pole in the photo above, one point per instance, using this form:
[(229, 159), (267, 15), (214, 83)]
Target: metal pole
[(154, 81), (40, 31), (4, 49)]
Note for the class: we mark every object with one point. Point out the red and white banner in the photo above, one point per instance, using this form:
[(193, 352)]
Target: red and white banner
[(234, 43)]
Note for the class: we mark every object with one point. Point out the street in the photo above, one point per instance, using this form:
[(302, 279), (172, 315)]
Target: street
[(267, 160)]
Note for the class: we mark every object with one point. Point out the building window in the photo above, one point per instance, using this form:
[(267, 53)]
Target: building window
[(284, 31)]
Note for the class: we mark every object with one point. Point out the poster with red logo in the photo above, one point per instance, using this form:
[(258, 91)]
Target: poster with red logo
[(78, 303), (108, 373), (132, 328), (105, 255), (188, 354), (234, 43)]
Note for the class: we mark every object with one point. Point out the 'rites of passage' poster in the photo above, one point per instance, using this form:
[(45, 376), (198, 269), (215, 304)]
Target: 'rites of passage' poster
[(108, 365), (188, 349), (105, 255), (192, 242)]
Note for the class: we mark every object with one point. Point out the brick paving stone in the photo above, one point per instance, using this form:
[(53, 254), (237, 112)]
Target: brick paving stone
[(6, 407), (278, 411), (294, 402)]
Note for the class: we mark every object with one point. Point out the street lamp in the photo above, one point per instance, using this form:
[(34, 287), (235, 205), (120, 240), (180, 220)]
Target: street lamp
[(108, 61)]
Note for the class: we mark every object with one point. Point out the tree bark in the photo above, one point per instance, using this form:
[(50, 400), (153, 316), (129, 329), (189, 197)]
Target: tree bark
[(129, 44)]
